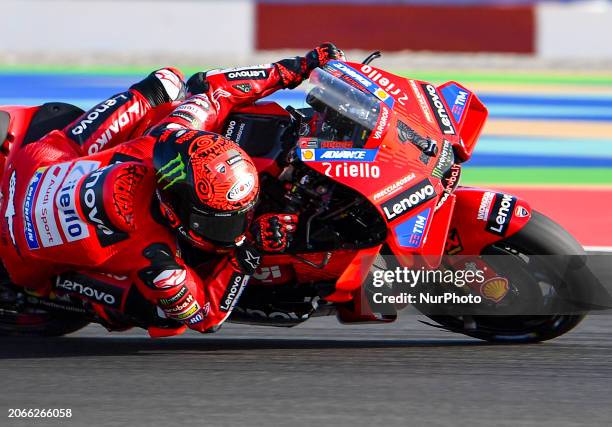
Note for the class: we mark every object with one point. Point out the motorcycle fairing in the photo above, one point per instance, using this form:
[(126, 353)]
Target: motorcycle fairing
[(483, 218), (24, 125), (19, 119), (353, 276), (48, 117), (447, 114), (395, 161), (468, 113)]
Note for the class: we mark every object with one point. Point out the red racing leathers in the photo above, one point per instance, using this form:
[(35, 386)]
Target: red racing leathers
[(83, 199)]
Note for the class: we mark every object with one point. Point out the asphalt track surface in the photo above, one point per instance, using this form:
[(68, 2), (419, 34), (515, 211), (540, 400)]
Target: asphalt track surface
[(320, 373)]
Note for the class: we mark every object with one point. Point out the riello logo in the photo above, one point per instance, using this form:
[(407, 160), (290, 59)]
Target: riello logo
[(377, 77)]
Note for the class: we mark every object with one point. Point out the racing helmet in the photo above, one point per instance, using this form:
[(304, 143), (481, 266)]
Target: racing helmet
[(206, 185)]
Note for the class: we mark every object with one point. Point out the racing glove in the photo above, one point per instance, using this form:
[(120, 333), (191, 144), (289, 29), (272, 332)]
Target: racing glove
[(295, 70), (274, 232), (322, 54)]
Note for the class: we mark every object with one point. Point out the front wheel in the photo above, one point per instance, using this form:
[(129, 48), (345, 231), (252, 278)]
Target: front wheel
[(545, 268)]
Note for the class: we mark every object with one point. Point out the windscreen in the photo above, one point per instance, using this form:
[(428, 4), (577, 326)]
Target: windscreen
[(343, 112)]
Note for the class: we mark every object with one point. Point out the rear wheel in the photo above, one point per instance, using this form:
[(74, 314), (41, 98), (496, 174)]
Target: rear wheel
[(545, 268), (18, 318)]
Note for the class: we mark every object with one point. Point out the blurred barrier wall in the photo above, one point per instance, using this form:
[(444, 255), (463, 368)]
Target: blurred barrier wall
[(397, 26), (577, 30), (128, 26), (551, 29)]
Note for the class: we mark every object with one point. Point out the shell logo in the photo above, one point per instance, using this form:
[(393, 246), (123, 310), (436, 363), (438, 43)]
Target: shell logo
[(495, 289), (308, 155), (381, 94)]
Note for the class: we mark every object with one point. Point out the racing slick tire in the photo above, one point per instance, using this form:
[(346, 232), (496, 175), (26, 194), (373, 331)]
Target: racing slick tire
[(541, 253)]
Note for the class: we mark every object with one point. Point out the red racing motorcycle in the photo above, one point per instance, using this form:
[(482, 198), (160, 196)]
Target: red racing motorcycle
[(371, 163)]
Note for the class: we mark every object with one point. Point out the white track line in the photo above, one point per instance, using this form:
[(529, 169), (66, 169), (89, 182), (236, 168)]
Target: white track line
[(598, 248)]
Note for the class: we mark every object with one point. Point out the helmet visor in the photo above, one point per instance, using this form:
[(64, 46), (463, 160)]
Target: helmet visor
[(221, 229)]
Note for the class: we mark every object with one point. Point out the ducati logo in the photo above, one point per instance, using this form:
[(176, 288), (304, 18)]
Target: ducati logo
[(521, 212)]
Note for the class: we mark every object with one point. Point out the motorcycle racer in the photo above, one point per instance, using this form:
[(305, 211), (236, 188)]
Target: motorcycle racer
[(83, 199)]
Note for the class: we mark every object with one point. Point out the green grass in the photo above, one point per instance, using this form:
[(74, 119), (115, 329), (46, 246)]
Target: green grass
[(512, 77), (535, 176), (93, 70), (519, 77)]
